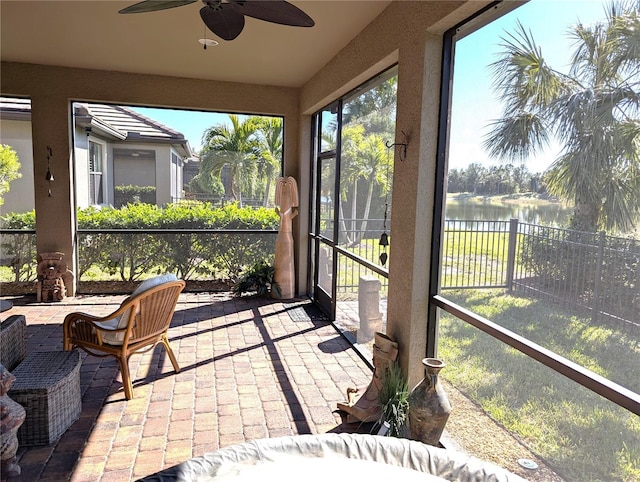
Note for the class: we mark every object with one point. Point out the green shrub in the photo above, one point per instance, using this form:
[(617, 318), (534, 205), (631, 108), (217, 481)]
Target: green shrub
[(259, 279), (124, 195), (133, 255), (394, 398), (561, 259), (130, 255), (19, 250), (211, 255)]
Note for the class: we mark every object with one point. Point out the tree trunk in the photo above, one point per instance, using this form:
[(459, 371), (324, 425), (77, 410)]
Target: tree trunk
[(342, 223), (367, 208), (267, 188), (354, 210), (585, 216)]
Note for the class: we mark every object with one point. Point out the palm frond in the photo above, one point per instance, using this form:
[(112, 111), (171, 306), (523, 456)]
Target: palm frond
[(516, 137), (521, 76), (592, 111)]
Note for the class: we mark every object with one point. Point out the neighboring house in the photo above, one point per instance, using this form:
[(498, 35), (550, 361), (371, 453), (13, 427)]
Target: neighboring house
[(113, 146), (15, 131)]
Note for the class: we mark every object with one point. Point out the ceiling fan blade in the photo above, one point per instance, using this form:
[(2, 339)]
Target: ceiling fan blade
[(275, 11), (222, 20), (153, 5)]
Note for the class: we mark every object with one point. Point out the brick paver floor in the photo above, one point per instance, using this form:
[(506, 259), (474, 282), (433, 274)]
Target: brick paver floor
[(250, 368)]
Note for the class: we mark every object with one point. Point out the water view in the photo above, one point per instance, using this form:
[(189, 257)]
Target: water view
[(497, 208)]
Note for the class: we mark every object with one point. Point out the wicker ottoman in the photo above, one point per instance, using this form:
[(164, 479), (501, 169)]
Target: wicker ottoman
[(48, 387), (13, 345)]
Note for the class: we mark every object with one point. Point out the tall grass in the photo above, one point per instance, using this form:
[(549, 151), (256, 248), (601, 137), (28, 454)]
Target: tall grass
[(583, 436)]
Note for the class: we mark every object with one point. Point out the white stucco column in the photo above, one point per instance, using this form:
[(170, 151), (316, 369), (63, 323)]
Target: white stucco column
[(55, 215), (412, 202)]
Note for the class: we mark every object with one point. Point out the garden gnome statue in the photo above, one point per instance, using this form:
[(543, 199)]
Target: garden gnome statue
[(367, 407), (286, 206), (12, 416)]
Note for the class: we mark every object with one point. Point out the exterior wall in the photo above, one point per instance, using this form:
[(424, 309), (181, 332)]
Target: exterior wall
[(163, 175), (17, 134), (146, 172)]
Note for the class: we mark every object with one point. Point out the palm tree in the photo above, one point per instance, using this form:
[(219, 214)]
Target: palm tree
[(234, 147), (375, 167), (374, 109), (269, 136), (352, 137), (365, 158), (592, 111)]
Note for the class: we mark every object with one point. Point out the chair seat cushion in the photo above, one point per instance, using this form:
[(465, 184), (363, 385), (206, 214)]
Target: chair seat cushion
[(122, 320)]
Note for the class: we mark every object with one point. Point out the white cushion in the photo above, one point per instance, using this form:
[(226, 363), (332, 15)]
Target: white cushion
[(153, 282), (122, 320)]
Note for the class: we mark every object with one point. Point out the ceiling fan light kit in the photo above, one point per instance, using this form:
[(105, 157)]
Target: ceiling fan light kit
[(226, 18), (208, 42)]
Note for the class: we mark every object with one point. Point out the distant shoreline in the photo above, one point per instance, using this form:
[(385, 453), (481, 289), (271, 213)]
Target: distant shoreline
[(518, 198)]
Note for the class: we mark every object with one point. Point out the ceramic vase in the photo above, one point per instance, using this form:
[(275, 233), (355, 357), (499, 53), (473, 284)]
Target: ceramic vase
[(429, 406)]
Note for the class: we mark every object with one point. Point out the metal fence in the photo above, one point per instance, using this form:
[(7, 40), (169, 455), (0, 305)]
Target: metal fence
[(591, 271), (476, 254), (358, 253), (203, 254), (220, 200)]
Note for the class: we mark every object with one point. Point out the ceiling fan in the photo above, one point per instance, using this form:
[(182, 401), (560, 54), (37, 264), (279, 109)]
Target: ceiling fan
[(226, 19)]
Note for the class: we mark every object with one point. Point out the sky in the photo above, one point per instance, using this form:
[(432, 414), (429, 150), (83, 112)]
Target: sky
[(192, 124), (475, 103), (472, 92)]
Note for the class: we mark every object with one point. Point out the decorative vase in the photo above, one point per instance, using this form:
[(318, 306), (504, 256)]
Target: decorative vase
[(429, 406)]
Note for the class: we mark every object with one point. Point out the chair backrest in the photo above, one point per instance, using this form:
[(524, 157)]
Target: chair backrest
[(122, 320), (151, 311)]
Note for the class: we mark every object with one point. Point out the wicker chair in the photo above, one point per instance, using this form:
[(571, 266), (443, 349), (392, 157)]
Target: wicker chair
[(141, 322)]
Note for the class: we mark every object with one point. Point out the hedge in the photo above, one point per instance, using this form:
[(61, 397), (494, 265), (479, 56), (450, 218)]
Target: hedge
[(132, 256)]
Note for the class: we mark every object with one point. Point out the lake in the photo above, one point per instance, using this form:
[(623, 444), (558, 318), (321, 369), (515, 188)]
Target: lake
[(492, 209)]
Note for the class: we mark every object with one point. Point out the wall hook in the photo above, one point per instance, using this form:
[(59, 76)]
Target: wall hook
[(403, 145)]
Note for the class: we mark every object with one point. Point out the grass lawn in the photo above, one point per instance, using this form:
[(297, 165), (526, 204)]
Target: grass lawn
[(580, 434)]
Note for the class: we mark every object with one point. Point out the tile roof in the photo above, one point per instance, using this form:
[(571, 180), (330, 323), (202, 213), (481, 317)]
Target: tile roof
[(135, 125), (120, 121)]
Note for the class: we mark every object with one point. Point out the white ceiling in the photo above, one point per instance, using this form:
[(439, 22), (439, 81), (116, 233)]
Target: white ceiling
[(91, 34)]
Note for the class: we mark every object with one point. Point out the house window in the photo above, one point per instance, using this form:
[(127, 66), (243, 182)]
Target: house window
[(534, 307), (96, 190)]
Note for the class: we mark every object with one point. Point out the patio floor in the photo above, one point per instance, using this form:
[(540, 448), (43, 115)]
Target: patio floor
[(250, 368)]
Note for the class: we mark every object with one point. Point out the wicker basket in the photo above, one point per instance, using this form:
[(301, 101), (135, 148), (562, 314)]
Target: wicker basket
[(13, 345), (48, 387)]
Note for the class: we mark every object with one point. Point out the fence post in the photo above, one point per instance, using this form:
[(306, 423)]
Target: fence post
[(597, 281), (511, 252)]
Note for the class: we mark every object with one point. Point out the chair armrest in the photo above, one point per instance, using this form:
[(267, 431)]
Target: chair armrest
[(77, 315), (87, 328)]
